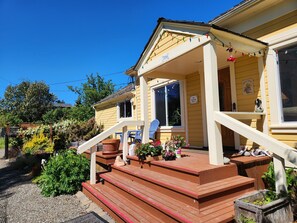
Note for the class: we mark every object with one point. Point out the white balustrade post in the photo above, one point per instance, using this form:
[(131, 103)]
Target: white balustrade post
[(212, 104), (144, 108), (93, 165), (280, 174), (125, 143)]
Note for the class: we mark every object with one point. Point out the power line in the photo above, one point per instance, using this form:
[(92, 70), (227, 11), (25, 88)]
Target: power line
[(67, 82), (7, 80)]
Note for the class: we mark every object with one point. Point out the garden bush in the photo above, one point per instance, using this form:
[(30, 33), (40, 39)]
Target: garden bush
[(63, 174), (38, 144), (291, 175)]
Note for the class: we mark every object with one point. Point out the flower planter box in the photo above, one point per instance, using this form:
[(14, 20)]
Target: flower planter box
[(276, 211)]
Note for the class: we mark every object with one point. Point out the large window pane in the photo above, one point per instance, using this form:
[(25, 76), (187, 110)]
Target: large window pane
[(125, 109), (122, 110), (160, 105), (173, 100), (288, 79), (128, 109), (167, 105)]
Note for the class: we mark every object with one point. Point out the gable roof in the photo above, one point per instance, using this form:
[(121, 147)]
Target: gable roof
[(205, 27)]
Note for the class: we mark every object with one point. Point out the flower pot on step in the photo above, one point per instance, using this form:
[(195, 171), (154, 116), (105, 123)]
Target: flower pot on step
[(110, 146)]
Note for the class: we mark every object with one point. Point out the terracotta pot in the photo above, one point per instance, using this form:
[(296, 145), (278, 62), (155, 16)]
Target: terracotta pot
[(110, 146)]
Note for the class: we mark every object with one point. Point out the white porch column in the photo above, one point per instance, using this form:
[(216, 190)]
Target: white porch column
[(212, 104), (144, 108)]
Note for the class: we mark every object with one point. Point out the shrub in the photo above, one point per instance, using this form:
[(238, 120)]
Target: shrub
[(291, 175), (63, 174), (38, 144)]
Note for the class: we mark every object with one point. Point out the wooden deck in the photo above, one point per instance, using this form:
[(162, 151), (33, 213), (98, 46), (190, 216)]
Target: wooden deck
[(185, 190)]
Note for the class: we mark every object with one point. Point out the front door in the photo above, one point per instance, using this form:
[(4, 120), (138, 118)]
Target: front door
[(225, 104)]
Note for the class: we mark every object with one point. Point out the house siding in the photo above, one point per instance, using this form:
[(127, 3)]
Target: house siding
[(195, 126), (107, 116), (246, 68), (167, 41), (274, 26)]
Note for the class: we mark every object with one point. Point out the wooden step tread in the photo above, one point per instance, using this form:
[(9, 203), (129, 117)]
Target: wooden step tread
[(186, 187), (123, 207), (164, 203)]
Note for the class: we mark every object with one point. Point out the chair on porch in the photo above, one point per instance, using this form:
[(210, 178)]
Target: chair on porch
[(136, 135)]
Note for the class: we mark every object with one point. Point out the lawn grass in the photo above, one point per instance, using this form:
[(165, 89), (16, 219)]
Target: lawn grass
[(2, 143)]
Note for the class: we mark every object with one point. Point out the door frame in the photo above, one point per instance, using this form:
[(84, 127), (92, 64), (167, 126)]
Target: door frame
[(234, 100)]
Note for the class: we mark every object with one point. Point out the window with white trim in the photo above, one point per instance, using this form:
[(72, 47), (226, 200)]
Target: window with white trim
[(125, 109), (168, 104), (288, 79)]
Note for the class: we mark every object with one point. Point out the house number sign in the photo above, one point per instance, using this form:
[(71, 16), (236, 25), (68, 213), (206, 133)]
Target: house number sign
[(193, 99)]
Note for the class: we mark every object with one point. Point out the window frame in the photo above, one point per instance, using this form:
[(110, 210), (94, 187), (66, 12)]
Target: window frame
[(279, 95), (276, 42), (119, 118), (164, 83)]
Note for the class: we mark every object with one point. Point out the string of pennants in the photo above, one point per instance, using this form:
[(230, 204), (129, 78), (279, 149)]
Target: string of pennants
[(228, 46)]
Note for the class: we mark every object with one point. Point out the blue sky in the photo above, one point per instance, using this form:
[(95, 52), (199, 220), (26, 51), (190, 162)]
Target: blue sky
[(61, 41)]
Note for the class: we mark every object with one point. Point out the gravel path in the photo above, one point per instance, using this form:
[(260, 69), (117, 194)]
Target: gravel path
[(21, 200)]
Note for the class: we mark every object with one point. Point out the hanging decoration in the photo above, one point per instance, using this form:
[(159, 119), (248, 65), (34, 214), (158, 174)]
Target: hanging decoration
[(231, 58), (230, 50)]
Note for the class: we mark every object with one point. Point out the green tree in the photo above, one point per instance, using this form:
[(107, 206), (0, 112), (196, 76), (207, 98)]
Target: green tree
[(27, 101), (56, 115), (93, 90), (81, 113)]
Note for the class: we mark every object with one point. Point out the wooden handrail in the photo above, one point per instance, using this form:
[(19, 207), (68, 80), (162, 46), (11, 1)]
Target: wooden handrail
[(95, 140), (281, 151), (275, 146)]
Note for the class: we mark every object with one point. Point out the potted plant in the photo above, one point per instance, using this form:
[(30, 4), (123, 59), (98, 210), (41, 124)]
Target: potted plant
[(175, 144), (149, 151), (110, 146), (169, 154)]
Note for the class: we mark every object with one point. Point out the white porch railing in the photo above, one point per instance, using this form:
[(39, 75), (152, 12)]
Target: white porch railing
[(91, 144), (280, 150)]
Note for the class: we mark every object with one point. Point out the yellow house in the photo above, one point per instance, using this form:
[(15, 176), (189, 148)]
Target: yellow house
[(201, 80), (173, 62)]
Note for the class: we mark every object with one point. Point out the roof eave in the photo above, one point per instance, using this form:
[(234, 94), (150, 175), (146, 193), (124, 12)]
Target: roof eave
[(234, 11)]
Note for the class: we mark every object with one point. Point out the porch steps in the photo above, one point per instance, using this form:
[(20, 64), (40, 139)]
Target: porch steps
[(190, 193), (152, 194)]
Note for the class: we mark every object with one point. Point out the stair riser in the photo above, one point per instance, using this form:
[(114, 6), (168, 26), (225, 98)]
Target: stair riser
[(235, 192), (103, 206), (219, 173), (169, 191), (170, 172), (203, 177), (155, 211)]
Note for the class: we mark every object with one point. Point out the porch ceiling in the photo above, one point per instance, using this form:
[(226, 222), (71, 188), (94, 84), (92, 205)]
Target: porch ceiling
[(190, 62)]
